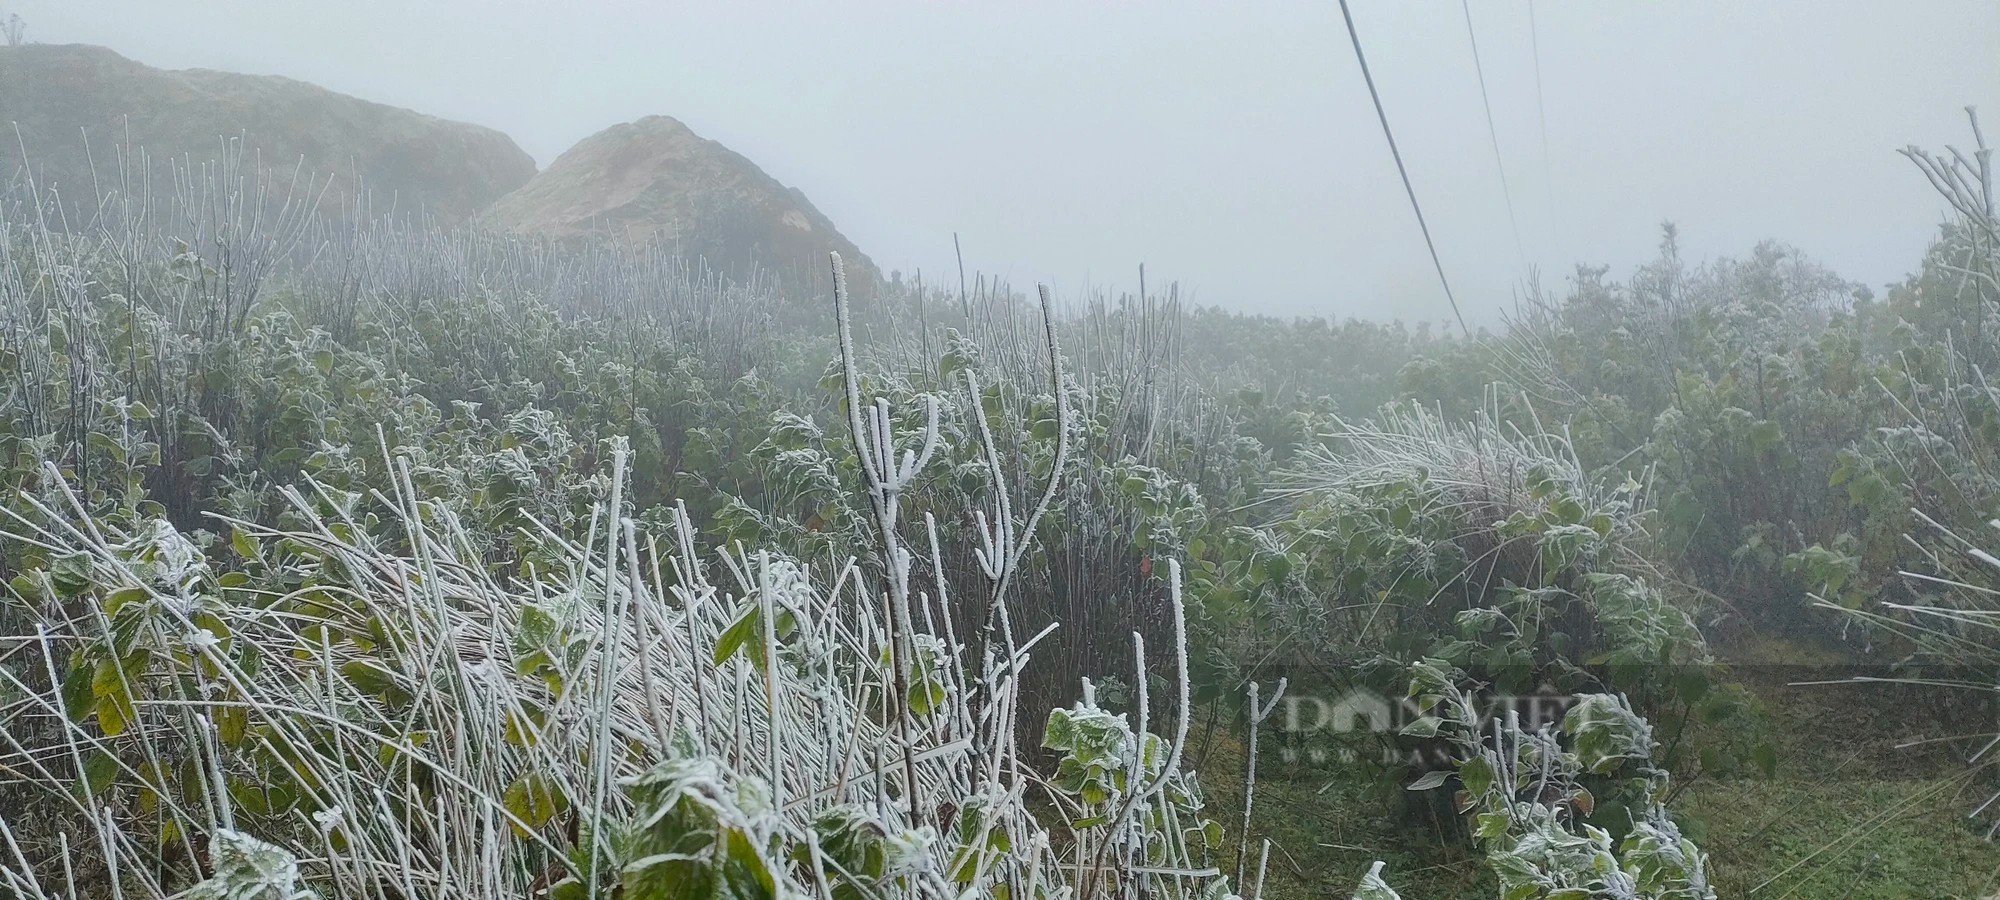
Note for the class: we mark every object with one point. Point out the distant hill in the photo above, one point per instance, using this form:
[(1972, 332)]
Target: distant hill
[(642, 181), (654, 179), (61, 93)]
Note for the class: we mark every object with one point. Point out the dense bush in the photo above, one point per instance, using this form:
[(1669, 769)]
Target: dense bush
[(364, 559), (360, 702)]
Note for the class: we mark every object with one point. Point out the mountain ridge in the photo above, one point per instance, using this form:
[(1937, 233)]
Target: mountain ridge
[(76, 104)]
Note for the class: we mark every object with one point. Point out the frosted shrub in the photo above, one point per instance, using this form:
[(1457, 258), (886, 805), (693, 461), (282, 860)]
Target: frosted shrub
[(365, 707), (1549, 804)]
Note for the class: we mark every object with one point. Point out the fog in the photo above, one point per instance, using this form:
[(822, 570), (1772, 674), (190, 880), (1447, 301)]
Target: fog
[(1231, 147)]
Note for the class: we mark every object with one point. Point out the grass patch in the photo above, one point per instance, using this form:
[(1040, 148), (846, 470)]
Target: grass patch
[(1327, 824), (1854, 810), (1850, 815)]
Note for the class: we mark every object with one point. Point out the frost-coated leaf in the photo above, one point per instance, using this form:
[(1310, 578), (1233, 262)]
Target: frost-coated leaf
[(249, 869), (1606, 733), (1430, 780), (1372, 886), (1423, 727)]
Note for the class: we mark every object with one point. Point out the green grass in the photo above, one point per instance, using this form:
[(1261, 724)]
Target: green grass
[(1327, 823), (1852, 811), (1849, 815), (1800, 838)]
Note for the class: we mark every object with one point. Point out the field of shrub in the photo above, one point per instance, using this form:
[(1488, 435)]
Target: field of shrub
[(358, 559)]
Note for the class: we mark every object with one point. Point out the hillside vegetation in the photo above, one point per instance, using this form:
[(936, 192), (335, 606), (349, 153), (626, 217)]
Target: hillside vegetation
[(80, 110), (372, 559)]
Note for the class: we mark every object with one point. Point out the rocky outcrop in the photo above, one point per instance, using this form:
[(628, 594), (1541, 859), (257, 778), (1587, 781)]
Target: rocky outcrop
[(656, 180)]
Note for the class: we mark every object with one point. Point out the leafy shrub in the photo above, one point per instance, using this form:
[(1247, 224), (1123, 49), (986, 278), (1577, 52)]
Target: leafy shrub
[(364, 705), (1547, 834)]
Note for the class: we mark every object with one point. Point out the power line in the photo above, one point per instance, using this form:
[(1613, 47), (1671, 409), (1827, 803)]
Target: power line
[(1541, 109), (1400, 169), (1491, 132)]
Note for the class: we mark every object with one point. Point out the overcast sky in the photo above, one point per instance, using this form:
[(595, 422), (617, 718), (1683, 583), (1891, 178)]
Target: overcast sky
[(1230, 146)]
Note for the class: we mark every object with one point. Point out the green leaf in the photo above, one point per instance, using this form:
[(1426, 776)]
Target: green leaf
[(109, 447), (114, 698), (70, 573), (78, 694), (533, 800), (1477, 775), (523, 727), (370, 677), (118, 599), (738, 634), (231, 724), (25, 588), (925, 696), (99, 768), (538, 629), (244, 545), (114, 712)]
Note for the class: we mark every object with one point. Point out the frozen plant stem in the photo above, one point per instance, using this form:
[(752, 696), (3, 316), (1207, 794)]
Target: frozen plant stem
[(1256, 714), (886, 476), (607, 662)]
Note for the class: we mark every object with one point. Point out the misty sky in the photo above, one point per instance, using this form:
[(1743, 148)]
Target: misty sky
[(1230, 146)]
